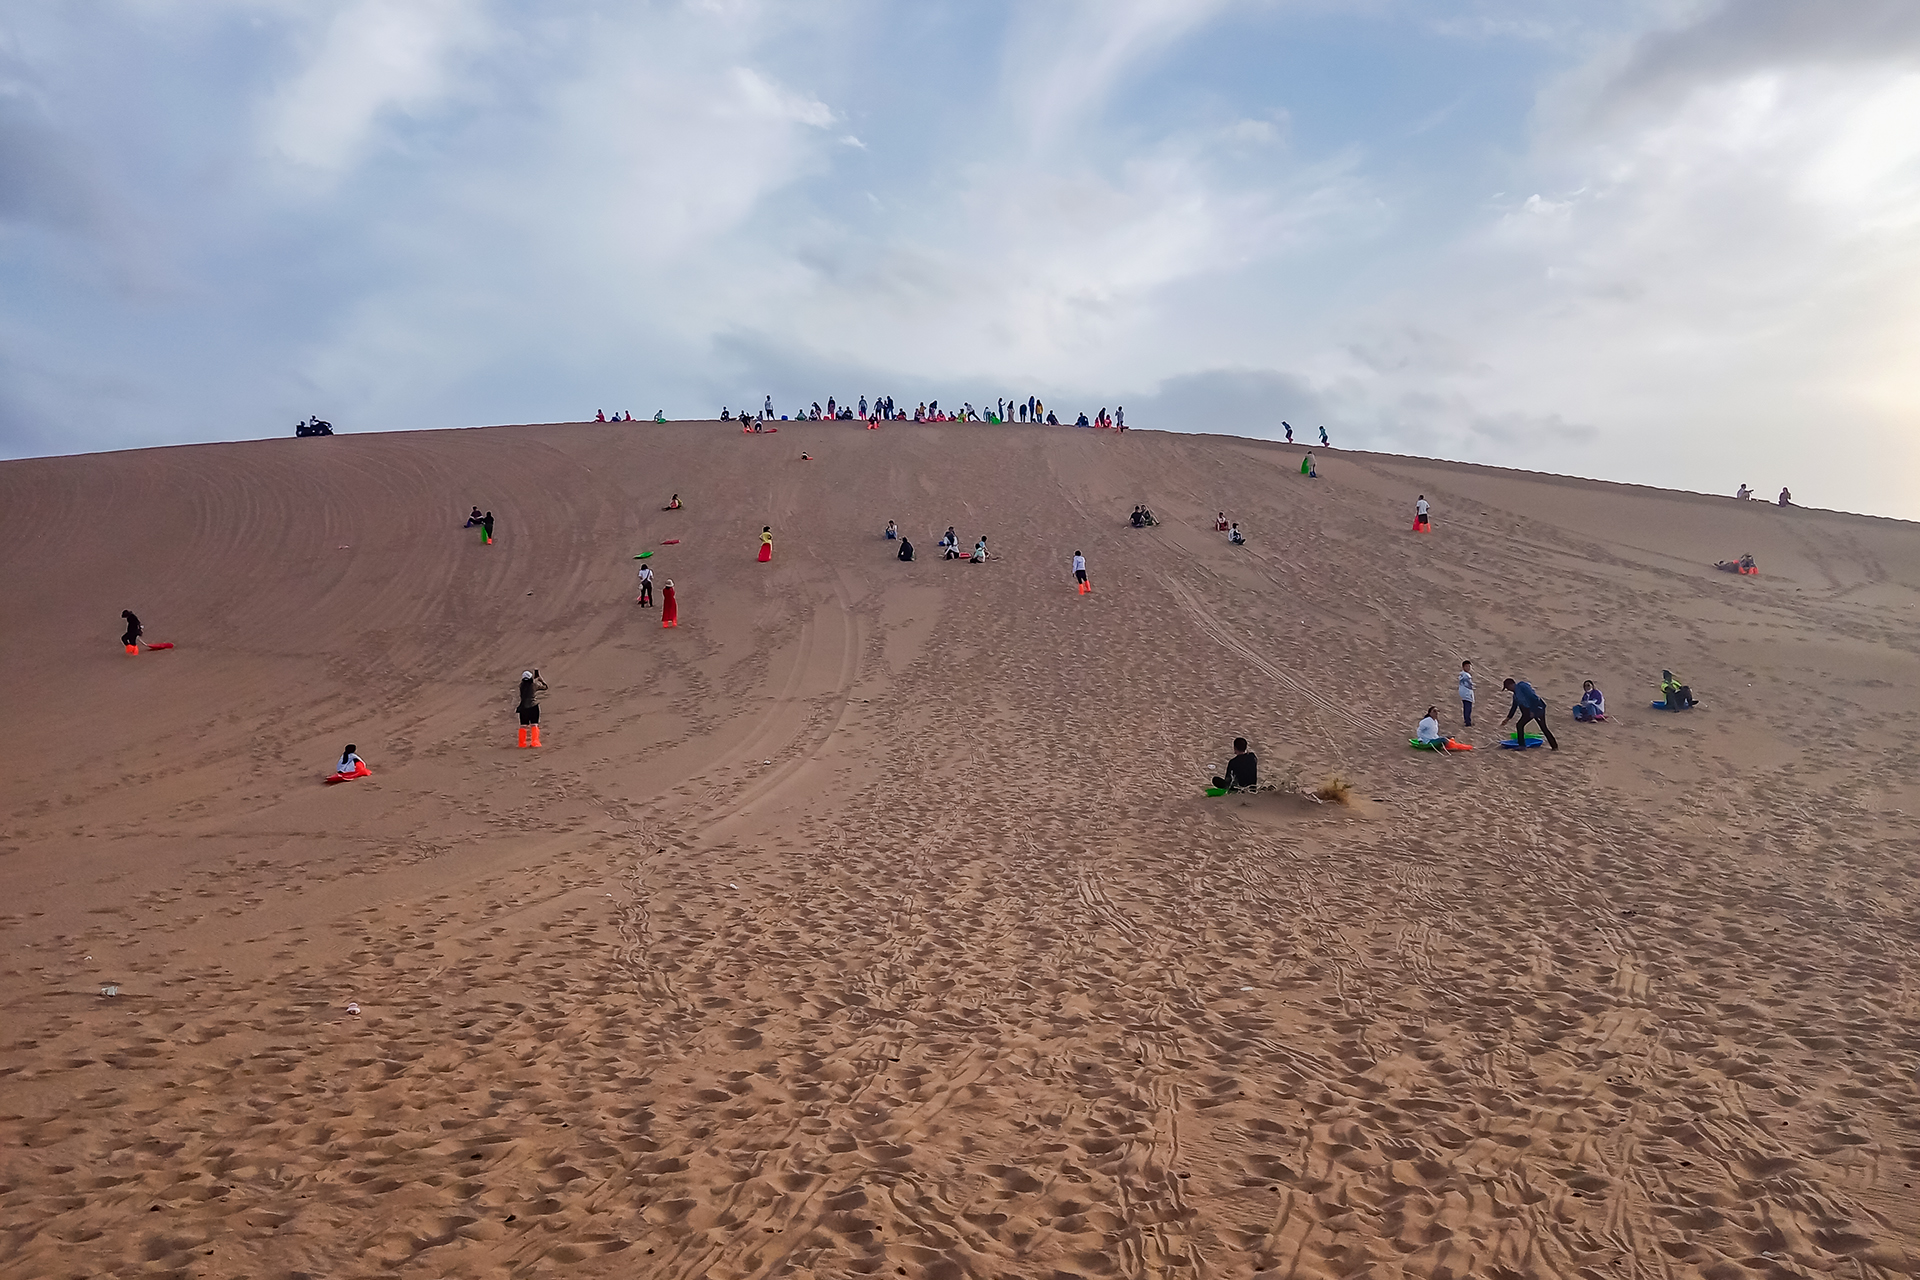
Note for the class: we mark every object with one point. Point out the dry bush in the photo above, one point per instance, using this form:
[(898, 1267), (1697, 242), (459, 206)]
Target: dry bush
[(1335, 790)]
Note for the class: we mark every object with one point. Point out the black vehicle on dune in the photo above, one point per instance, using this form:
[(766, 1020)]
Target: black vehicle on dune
[(313, 427)]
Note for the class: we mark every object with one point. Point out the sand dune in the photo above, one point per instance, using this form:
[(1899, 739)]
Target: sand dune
[(872, 923)]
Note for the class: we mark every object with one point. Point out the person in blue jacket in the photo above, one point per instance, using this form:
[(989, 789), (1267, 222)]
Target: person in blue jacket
[(1530, 706)]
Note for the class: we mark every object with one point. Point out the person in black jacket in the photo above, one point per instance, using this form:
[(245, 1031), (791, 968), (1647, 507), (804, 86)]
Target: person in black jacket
[(906, 549), (1243, 771)]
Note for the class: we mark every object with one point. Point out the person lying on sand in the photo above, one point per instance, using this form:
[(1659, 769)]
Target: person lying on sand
[(1429, 730), (1745, 564), (1243, 771)]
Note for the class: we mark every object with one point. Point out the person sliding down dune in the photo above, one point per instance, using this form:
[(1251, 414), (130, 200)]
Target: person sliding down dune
[(350, 766), (1429, 730), (1243, 771)]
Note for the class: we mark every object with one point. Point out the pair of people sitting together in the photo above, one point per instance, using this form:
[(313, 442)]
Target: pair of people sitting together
[(1142, 518), (1745, 564)]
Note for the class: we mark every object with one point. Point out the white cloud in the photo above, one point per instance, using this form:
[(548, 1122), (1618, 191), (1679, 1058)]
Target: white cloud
[(374, 58)]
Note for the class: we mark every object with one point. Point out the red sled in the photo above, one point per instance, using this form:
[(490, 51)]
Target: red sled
[(164, 644), (671, 542), (361, 772)]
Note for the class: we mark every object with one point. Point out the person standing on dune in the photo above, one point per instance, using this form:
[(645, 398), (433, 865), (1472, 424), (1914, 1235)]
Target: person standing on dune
[(669, 607), (766, 544), (486, 528), (1466, 692), (531, 687), (132, 637), (645, 598), (1530, 706), (1080, 573)]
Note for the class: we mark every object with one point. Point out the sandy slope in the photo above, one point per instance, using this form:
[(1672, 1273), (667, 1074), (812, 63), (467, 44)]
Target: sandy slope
[(871, 922)]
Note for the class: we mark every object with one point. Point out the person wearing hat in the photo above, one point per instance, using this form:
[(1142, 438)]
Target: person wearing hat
[(531, 687)]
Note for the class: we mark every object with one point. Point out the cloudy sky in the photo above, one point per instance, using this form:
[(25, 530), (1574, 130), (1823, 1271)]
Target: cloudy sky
[(1669, 241)]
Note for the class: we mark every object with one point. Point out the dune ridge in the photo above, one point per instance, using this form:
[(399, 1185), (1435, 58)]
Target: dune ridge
[(872, 921)]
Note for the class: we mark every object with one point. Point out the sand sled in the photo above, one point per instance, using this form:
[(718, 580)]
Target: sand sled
[(1531, 741), (164, 644), (361, 772), (643, 555), (1448, 745)]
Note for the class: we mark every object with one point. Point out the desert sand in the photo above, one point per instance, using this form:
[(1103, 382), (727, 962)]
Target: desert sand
[(872, 921)]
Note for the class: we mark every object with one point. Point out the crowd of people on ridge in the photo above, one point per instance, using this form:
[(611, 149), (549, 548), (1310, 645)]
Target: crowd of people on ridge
[(882, 409)]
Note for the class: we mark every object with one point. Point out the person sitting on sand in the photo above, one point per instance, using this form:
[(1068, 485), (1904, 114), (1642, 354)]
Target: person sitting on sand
[(1243, 771), (1429, 730), (1743, 493), (893, 531), (979, 555), (1678, 697), (351, 765), (1748, 564), (1151, 518), (906, 549), (1138, 519), (1786, 496), (473, 519), (1592, 704), (1220, 523), (1236, 537), (673, 503)]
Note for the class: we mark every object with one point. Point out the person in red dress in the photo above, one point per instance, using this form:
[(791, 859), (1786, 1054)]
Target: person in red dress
[(766, 544), (669, 607)]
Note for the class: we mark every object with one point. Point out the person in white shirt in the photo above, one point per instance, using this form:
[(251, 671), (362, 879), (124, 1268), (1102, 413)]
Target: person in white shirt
[(1466, 693), (1744, 493), (1080, 573), (1429, 730), (645, 598), (351, 765), (1235, 536), (1420, 520)]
